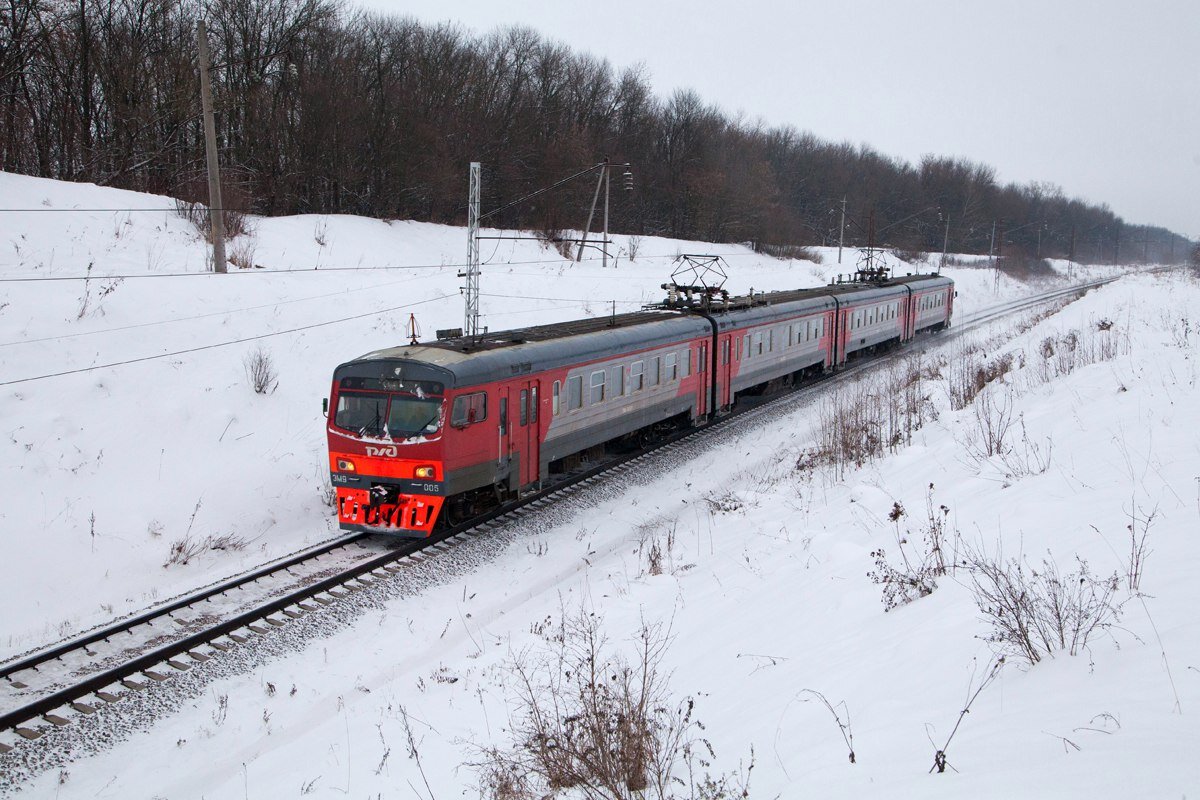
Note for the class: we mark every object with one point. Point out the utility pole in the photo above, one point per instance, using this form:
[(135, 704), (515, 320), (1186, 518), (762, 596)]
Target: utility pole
[(842, 230), (595, 199), (945, 244), (992, 258), (1071, 257), (604, 249), (216, 209), (471, 319)]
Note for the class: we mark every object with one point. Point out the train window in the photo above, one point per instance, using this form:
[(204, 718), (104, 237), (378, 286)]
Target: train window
[(771, 341), (672, 367), (524, 407), (554, 395), (687, 362), (746, 346), (655, 371), (533, 408), (503, 415), (596, 395), (468, 409), (618, 381), (758, 343), (725, 352), (574, 392), (701, 365), (635, 375)]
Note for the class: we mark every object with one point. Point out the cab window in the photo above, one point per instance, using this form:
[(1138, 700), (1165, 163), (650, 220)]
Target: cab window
[(469, 409)]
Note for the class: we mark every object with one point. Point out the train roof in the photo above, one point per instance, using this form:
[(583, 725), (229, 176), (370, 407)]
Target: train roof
[(461, 361)]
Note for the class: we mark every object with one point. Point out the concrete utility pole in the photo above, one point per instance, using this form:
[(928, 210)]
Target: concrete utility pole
[(945, 243), (1071, 257), (604, 250), (842, 230), (992, 258), (216, 209), (595, 198)]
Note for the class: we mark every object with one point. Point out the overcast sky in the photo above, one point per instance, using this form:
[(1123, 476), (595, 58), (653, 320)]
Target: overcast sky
[(1098, 96)]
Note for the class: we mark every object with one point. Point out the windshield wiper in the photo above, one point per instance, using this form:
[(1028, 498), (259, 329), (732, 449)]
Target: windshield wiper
[(375, 428), (421, 429)]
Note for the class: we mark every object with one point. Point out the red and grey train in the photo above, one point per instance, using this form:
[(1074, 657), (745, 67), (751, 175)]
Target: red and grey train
[(434, 431)]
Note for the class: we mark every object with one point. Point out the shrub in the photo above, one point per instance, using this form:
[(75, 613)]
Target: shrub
[(632, 245), (241, 252), (260, 371), (598, 725), (794, 252), (917, 576), (1035, 613), (993, 420)]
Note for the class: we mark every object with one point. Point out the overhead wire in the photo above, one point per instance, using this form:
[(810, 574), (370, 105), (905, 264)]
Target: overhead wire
[(217, 345), (226, 312)]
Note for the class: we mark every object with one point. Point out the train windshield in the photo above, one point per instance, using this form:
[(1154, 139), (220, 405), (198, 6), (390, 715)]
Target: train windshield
[(383, 415)]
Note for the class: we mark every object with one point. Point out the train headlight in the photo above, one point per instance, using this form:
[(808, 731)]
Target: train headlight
[(345, 465), (423, 472)]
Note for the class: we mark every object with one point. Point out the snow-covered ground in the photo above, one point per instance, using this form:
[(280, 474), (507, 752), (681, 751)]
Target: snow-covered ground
[(107, 468)]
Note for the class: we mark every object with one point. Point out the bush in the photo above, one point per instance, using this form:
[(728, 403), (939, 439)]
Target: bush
[(794, 252), (260, 371), (917, 576), (1035, 613), (598, 725)]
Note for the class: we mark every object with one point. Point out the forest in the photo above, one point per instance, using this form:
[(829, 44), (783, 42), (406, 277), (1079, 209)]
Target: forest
[(323, 108)]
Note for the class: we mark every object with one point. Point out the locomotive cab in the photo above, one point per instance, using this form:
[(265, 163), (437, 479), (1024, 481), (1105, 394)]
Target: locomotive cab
[(386, 425)]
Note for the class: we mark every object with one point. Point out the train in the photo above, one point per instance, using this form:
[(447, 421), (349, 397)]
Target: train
[(429, 434)]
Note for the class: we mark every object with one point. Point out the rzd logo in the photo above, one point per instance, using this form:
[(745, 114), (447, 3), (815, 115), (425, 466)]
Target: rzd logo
[(390, 451)]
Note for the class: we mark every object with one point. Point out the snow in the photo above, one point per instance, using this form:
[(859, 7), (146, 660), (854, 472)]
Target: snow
[(105, 469)]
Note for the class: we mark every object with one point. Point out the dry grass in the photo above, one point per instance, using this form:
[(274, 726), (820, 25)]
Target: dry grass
[(870, 417)]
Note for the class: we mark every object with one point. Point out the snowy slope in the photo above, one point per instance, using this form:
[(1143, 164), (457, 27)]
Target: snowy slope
[(764, 601)]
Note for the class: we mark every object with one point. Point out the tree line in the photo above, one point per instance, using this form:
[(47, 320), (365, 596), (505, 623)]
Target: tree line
[(325, 109)]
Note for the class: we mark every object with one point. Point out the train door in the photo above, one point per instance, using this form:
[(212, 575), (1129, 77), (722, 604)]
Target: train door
[(504, 441), (525, 431), (847, 317), (703, 371), (725, 371)]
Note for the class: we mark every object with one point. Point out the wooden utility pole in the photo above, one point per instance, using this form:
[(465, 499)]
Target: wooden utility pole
[(216, 210)]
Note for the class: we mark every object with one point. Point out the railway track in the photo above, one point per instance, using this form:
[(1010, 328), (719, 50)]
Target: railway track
[(82, 676)]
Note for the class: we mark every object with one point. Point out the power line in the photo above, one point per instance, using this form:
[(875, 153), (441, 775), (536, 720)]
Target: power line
[(198, 316), (305, 271), (562, 299), (316, 270), (218, 344), (199, 209)]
